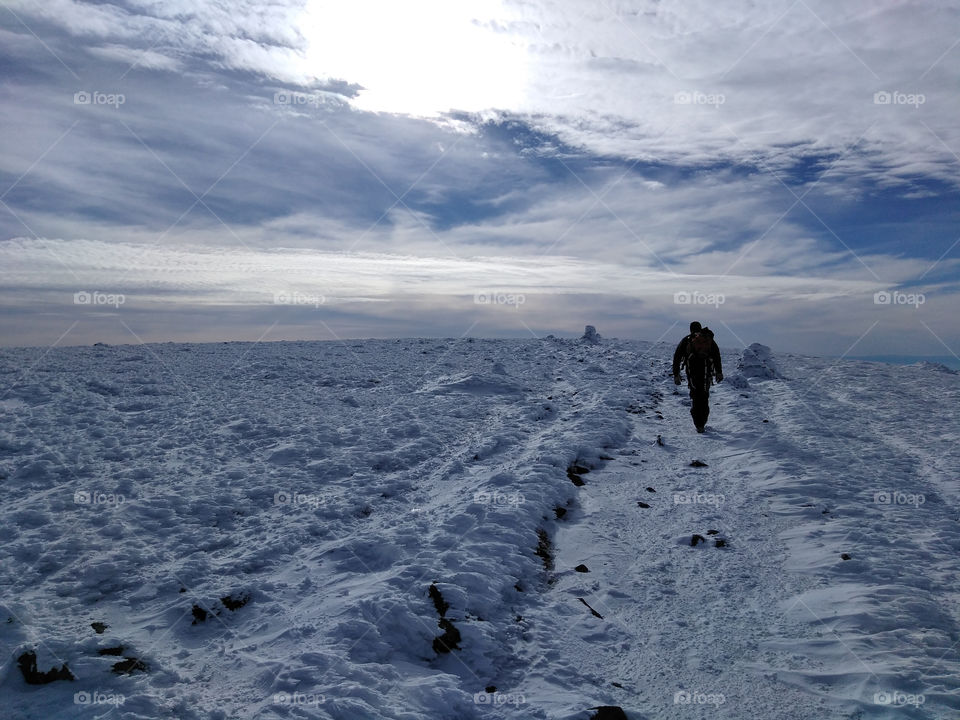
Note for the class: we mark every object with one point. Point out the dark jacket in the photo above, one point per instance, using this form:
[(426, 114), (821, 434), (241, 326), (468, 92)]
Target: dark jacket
[(680, 356)]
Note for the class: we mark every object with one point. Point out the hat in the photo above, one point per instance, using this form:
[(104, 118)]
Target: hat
[(695, 327)]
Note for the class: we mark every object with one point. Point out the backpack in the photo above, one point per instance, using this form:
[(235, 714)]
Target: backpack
[(699, 359)]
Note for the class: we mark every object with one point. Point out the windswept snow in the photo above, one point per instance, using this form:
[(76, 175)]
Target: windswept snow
[(293, 530)]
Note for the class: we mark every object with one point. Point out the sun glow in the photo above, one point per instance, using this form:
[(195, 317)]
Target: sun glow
[(420, 58)]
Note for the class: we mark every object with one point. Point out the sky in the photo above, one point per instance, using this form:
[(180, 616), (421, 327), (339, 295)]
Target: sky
[(786, 172)]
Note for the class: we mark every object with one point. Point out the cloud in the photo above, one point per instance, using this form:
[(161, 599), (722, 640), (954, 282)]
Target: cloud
[(597, 158)]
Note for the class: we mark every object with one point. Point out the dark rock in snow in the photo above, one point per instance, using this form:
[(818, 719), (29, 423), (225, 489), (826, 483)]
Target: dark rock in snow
[(199, 614), (590, 335), (99, 627), (544, 549), (608, 712), (592, 611), (582, 568), (28, 666), (698, 463), (438, 602), (696, 540), (449, 640), (235, 602), (129, 665)]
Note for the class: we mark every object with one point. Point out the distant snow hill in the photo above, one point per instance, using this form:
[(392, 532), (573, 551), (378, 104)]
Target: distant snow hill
[(465, 529)]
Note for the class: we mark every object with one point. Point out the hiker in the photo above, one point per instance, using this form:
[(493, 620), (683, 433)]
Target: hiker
[(699, 354)]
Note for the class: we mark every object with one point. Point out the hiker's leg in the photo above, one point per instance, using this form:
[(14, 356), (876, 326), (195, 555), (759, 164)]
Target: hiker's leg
[(700, 408)]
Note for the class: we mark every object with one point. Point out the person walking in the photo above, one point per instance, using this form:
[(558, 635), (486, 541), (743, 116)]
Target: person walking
[(699, 354)]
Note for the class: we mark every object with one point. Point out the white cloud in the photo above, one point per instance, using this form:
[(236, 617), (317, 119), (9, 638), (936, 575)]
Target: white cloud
[(149, 59)]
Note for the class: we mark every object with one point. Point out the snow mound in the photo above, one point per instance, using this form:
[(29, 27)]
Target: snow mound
[(935, 367), (590, 335), (756, 361), (473, 384)]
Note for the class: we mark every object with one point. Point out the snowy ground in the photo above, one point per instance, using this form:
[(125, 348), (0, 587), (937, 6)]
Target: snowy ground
[(259, 527)]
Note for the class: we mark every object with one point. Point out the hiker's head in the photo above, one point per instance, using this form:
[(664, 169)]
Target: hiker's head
[(695, 327)]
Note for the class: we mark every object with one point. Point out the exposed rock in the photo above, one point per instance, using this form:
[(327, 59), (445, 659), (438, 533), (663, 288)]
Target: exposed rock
[(544, 549), (590, 335), (609, 712), (129, 665), (592, 611), (28, 666)]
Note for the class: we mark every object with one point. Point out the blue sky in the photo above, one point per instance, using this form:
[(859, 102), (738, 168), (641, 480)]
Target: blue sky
[(787, 173)]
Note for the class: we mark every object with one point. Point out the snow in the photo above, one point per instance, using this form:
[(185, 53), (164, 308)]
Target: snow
[(261, 524)]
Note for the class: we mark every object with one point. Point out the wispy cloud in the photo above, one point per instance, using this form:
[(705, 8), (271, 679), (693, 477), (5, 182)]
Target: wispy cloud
[(788, 156)]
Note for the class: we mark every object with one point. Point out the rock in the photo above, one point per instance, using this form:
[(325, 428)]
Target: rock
[(199, 614), (698, 463), (590, 335), (129, 665), (449, 640), (28, 667), (544, 549), (642, 504), (696, 540), (608, 712), (99, 627), (582, 568), (575, 471), (438, 602), (592, 611), (235, 602)]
